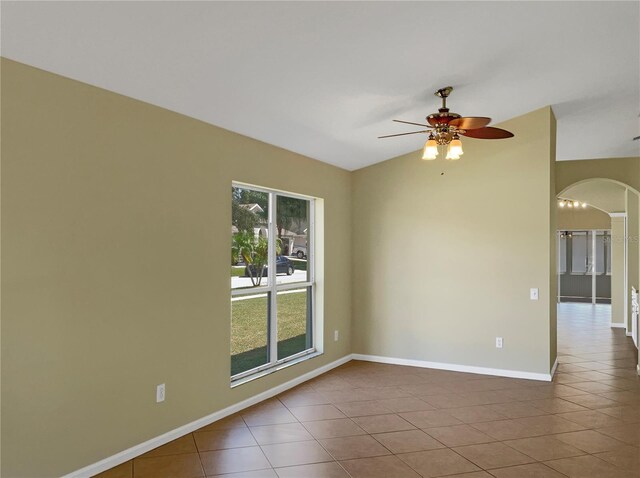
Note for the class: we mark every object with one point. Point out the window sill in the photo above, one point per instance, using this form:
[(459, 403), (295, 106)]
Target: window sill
[(275, 368)]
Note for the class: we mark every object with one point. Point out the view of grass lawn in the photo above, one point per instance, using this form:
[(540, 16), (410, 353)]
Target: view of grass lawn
[(249, 329)]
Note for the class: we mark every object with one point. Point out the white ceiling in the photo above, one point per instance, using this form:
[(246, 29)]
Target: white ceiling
[(326, 78)]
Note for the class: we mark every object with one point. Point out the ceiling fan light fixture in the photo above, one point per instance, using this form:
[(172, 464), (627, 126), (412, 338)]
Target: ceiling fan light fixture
[(452, 154), (445, 129), (430, 149), (455, 147)]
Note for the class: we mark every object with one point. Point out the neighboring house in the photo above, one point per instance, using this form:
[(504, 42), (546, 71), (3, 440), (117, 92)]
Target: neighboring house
[(254, 208)]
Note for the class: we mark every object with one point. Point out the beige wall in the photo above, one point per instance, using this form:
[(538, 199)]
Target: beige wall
[(444, 253), (553, 242), (617, 271), (633, 249), (115, 273), (624, 170), (589, 218)]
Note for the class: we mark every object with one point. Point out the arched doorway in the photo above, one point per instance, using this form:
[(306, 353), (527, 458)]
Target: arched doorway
[(596, 198)]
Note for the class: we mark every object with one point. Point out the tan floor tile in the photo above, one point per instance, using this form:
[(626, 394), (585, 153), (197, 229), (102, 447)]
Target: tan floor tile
[(362, 408), (590, 441), (233, 460), (383, 423), (343, 396), (347, 448), (220, 439), (556, 405), (473, 474), (594, 387), (544, 448), (233, 421), (316, 412), (405, 404), (532, 470), (459, 435), (629, 434), (295, 453), (316, 470), (480, 413), (172, 466), (379, 467), (268, 473), (627, 458), (282, 433), (588, 466), (124, 470), (430, 418), (592, 401), (340, 427), (591, 419), (329, 382), (425, 389), (506, 429), (180, 445), (516, 410), (383, 393), (493, 455), (268, 417), (625, 413), (437, 463), (527, 427), (302, 399), (408, 441)]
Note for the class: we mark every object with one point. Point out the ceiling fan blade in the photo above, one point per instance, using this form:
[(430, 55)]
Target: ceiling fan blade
[(402, 134), (409, 122), (470, 122), (488, 133)]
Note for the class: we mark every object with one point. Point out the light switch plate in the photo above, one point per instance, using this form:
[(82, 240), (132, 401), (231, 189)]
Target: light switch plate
[(533, 293)]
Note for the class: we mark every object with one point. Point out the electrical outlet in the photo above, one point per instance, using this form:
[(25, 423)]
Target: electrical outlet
[(533, 293), (498, 342), (336, 335), (160, 393)]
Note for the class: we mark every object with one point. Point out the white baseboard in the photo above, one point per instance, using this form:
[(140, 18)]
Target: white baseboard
[(553, 369), (629, 333), (617, 325), (149, 445), (546, 377)]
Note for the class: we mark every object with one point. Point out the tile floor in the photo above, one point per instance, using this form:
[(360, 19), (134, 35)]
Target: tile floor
[(371, 420)]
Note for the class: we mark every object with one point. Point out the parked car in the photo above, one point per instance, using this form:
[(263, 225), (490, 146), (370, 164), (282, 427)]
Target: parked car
[(283, 266), (300, 251)]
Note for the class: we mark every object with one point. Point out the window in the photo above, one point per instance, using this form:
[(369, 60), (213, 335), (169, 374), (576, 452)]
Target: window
[(580, 253), (562, 254), (272, 279)]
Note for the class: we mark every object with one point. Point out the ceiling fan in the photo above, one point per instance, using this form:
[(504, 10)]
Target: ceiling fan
[(445, 129)]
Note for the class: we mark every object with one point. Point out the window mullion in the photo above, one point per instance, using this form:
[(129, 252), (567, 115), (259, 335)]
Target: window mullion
[(273, 298)]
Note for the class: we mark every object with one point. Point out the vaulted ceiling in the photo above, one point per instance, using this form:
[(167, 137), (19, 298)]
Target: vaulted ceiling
[(326, 78)]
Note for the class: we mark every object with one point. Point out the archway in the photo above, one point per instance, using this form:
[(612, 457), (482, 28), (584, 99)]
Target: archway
[(621, 202)]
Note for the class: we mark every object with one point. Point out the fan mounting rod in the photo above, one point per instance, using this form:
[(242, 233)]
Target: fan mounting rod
[(444, 93)]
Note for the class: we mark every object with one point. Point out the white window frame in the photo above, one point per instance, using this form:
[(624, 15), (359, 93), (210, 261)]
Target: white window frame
[(273, 288)]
